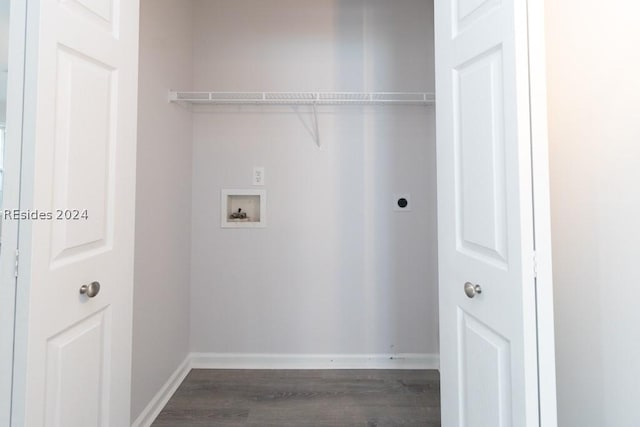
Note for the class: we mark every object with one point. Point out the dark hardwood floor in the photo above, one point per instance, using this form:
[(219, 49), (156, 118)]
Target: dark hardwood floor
[(303, 398)]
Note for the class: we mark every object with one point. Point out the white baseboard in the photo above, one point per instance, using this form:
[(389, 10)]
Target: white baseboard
[(313, 361), (153, 409)]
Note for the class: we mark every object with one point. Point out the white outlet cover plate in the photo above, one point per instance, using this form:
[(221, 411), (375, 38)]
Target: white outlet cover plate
[(397, 197), (258, 175)]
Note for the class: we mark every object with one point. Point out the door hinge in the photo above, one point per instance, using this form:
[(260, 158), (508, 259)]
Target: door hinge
[(535, 265), (17, 263)]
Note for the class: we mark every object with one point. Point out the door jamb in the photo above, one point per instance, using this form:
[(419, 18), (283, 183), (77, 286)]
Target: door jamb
[(547, 404), (30, 10), (11, 200)]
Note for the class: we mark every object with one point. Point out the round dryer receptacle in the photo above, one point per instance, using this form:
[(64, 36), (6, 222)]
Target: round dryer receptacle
[(402, 202)]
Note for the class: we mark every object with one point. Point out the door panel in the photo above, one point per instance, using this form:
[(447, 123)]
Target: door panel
[(84, 139), (485, 374), (99, 12), (73, 358), (76, 367), (468, 11), (488, 351), (479, 141)]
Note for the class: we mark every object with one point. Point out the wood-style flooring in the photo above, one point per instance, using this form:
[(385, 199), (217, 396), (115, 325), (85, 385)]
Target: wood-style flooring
[(304, 398)]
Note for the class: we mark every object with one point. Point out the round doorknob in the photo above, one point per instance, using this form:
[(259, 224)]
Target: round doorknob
[(472, 290), (90, 290)]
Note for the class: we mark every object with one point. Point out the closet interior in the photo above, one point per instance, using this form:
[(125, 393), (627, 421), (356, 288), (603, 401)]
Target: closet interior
[(318, 117)]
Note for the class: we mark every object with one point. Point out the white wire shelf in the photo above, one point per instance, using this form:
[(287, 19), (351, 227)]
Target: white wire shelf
[(303, 98)]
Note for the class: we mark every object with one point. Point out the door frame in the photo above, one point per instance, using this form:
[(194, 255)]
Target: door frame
[(24, 41), (542, 214), (9, 305), (29, 12)]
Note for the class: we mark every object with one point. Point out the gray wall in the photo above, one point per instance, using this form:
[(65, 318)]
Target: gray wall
[(163, 209), (336, 271), (594, 99)]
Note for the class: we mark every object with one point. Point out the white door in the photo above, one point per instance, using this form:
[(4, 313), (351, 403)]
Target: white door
[(73, 352), (488, 327)]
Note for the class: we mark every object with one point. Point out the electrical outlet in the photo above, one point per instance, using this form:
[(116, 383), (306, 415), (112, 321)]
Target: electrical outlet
[(402, 203), (258, 175)]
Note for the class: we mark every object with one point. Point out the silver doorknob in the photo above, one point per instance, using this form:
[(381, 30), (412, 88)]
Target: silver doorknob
[(90, 290), (472, 290)]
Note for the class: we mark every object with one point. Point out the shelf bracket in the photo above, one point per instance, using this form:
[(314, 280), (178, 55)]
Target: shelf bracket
[(315, 122)]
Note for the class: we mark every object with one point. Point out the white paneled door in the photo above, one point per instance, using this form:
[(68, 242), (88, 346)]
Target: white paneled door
[(489, 335), (74, 348)]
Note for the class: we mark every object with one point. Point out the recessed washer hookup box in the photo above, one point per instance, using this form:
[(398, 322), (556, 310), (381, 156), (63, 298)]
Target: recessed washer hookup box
[(243, 208)]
